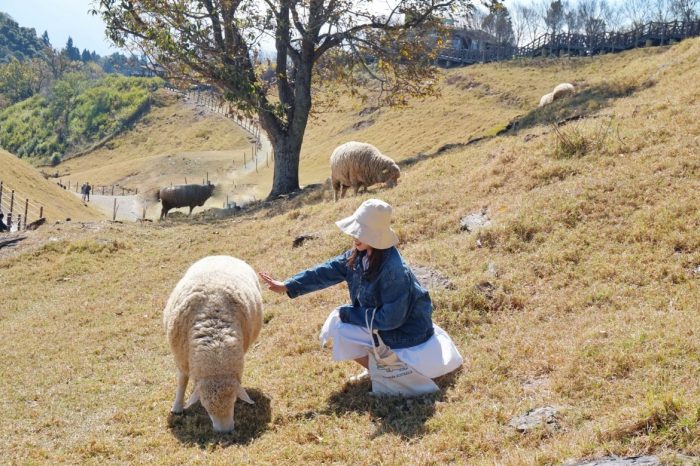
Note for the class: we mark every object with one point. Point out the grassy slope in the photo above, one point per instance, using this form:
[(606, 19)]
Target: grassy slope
[(594, 309), (176, 141), (58, 204)]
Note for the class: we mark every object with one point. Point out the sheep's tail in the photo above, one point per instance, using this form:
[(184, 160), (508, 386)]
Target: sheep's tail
[(157, 194)]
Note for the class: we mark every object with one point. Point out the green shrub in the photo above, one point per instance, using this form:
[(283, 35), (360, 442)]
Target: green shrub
[(78, 112)]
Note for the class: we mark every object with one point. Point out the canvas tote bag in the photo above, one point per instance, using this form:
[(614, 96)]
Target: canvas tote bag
[(390, 375)]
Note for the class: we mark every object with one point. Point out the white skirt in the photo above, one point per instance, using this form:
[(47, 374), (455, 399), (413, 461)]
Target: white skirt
[(435, 357)]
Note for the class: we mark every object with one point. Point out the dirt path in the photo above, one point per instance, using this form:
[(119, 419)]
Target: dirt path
[(129, 208)]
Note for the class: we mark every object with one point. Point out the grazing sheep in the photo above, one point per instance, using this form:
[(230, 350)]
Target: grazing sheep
[(212, 317), (359, 165), (183, 195), (546, 99), (560, 91), (563, 90)]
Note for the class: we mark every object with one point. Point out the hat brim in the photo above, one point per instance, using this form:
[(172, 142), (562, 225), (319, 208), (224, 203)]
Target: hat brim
[(377, 239)]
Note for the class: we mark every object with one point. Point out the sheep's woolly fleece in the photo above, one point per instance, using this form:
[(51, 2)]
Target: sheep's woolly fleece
[(212, 317), (357, 164)]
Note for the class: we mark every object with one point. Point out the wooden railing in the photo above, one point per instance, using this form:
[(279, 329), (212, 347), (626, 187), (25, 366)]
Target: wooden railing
[(650, 34)]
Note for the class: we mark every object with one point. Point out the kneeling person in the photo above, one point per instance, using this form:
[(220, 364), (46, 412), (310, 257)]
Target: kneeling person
[(385, 296)]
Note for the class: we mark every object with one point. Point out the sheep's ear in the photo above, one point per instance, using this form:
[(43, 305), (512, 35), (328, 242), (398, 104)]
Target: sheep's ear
[(242, 395), (194, 397)]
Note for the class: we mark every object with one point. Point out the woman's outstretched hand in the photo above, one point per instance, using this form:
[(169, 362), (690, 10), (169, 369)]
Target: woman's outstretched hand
[(274, 285)]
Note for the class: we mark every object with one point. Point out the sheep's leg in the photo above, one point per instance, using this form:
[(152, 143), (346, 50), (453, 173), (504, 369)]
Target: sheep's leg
[(342, 191), (191, 207), (357, 188), (182, 380), (163, 212), (336, 189)]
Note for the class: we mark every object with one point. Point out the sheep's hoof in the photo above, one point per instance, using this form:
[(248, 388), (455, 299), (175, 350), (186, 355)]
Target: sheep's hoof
[(177, 413)]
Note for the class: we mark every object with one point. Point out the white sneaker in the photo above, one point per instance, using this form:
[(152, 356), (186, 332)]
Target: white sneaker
[(364, 375)]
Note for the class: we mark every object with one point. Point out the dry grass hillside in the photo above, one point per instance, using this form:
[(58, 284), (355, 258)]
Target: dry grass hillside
[(582, 294), (29, 183), (177, 141)]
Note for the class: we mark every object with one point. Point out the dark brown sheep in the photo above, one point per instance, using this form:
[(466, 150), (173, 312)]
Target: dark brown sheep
[(183, 195)]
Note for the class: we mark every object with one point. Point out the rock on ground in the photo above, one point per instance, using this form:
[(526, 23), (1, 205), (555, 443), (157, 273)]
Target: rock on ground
[(538, 417), (474, 221), (431, 279), (617, 461)]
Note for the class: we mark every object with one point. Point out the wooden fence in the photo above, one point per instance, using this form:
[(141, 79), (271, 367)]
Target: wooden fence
[(18, 209), (572, 44), (208, 97)]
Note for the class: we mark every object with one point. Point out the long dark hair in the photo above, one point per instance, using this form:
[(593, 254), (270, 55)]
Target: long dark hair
[(375, 261)]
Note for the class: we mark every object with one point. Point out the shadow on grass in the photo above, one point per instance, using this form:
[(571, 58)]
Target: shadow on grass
[(391, 414), (194, 427), (581, 105)]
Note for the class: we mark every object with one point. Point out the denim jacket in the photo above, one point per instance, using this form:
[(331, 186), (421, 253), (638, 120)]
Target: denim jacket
[(403, 307)]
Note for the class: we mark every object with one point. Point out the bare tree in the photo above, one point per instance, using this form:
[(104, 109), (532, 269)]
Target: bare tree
[(498, 23), (571, 18), (554, 16), (636, 13), (530, 19), (685, 10), (473, 19), (521, 28), (661, 11), (593, 15)]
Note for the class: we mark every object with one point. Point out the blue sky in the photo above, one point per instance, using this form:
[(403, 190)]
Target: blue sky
[(61, 18)]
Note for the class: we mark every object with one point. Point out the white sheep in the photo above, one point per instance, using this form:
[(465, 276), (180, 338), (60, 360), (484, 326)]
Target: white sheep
[(546, 99), (560, 91), (563, 90), (212, 317), (359, 165)]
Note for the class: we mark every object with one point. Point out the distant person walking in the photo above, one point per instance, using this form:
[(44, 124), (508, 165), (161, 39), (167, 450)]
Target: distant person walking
[(3, 227), (83, 192), (88, 188)]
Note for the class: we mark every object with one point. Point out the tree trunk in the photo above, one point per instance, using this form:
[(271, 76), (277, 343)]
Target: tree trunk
[(286, 174)]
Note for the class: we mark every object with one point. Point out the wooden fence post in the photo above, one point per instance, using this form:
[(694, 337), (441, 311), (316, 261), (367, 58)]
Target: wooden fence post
[(114, 210), (26, 208), (0, 193), (12, 201), (41, 211)]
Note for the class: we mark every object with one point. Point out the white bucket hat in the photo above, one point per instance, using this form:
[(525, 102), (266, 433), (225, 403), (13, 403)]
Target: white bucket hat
[(370, 224)]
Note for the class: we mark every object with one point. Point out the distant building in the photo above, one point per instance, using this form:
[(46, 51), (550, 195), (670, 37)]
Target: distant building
[(471, 39), (467, 46)]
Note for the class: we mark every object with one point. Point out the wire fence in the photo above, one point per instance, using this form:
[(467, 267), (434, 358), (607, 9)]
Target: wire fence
[(214, 101), (18, 209), (105, 190)]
